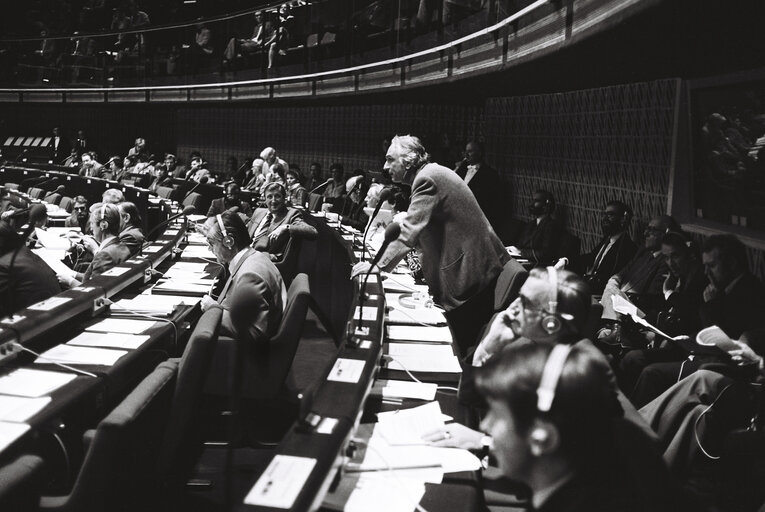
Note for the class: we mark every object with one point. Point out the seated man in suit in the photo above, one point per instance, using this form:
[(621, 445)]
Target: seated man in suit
[(79, 216), (25, 278), (230, 199), (273, 226), (640, 280), (254, 296), (334, 192), (105, 224), (197, 170), (130, 227), (612, 253), (89, 167), (733, 300), (484, 182), (540, 238)]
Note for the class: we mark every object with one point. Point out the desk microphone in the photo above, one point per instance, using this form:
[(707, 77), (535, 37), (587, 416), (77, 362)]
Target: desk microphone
[(24, 152), (203, 180), (189, 210), (385, 194), (322, 185), (391, 233)]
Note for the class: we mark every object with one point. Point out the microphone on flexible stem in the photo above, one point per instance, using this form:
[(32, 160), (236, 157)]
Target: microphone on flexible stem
[(385, 194), (391, 233), (189, 210), (202, 181), (322, 185), (24, 152)]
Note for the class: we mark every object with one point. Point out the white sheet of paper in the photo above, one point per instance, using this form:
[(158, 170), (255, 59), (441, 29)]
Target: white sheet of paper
[(33, 383), (183, 287), (419, 333), (714, 336), (189, 266), (152, 249), (374, 494), (418, 316), (399, 283), (69, 354), (198, 251), (19, 408), (53, 260), (121, 325), (52, 240), (404, 389), (115, 271), (9, 432), (111, 340), (407, 426), (281, 483), (346, 370)]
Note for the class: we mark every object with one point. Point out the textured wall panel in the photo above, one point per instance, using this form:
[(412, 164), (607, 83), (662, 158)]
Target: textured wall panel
[(586, 147)]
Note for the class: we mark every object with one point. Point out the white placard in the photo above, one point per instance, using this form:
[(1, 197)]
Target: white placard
[(280, 484), (116, 271), (49, 304), (346, 370)]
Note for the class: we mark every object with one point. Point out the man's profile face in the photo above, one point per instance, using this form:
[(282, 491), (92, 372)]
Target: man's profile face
[(315, 171), (510, 444), (232, 193), (611, 220), (717, 271), (653, 233), (394, 163), (677, 259), (472, 153), (527, 310)]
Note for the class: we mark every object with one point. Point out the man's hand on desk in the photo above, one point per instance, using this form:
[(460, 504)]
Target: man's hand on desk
[(456, 435), (207, 302), (361, 268)]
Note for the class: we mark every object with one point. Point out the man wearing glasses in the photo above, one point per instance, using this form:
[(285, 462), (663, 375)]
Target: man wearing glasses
[(79, 216)]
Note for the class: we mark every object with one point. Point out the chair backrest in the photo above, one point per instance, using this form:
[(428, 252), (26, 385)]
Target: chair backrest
[(20, 484), (569, 245), (53, 198), (509, 283), (265, 373), (593, 322), (192, 373), (328, 38), (125, 443), (287, 265), (11, 186), (67, 203), (35, 192), (165, 192), (312, 40), (195, 200), (314, 202)]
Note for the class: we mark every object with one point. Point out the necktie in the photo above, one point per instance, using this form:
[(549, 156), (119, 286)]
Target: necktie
[(599, 258), (262, 229)]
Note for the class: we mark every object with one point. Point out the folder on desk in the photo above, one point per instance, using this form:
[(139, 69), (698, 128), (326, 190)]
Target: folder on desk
[(178, 287), (419, 334)]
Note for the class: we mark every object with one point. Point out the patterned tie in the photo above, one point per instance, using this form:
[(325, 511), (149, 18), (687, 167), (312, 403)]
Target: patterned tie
[(263, 229)]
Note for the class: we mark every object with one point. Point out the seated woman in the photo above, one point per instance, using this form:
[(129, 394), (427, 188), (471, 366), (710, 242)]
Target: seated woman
[(297, 195)]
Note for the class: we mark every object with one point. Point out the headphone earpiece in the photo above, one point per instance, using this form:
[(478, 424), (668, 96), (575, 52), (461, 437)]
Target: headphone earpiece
[(103, 224), (550, 322), (539, 435), (228, 241)]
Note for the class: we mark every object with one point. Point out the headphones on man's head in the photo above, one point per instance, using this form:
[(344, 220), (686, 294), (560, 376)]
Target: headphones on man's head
[(228, 240), (550, 376), (550, 322), (103, 223)]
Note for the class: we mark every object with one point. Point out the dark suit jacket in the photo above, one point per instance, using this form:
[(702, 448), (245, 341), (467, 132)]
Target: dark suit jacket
[(29, 281), (298, 228), (252, 301), (133, 239), (113, 253), (489, 191), (218, 206), (60, 152), (540, 243), (740, 310), (461, 254), (613, 261)]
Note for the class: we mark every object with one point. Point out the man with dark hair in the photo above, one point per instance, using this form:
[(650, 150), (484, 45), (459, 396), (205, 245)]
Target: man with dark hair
[(316, 178), (612, 253), (334, 192), (116, 172), (90, 167), (230, 199), (461, 255), (131, 233), (254, 296), (485, 184), (541, 236), (79, 216), (273, 226)]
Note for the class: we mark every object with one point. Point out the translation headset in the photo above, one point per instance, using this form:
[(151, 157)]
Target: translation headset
[(103, 223), (228, 241), (550, 376)]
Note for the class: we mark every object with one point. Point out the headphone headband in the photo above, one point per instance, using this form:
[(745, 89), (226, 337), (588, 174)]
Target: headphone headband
[(550, 376), (228, 241)]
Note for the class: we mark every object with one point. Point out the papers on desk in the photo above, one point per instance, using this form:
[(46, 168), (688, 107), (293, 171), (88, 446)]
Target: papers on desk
[(174, 286), (154, 304), (33, 383), (113, 340), (369, 313), (400, 283), (196, 238), (188, 266), (404, 389), (419, 334), (422, 357), (9, 432), (68, 354), (53, 260), (198, 251), (376, 493), (121, 325), (52, 240), (407, 426), (415, 316), (19, 408)]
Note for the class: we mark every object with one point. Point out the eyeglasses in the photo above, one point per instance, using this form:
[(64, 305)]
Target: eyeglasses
[(651, 229), (80, 208)]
